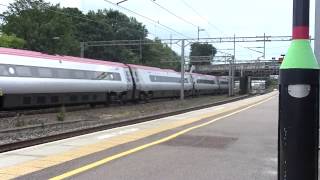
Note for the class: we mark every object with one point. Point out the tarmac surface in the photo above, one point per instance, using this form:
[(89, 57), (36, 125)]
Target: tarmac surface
[(239, 146)]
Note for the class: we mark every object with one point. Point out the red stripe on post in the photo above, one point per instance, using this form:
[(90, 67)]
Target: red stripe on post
[(300, 32)]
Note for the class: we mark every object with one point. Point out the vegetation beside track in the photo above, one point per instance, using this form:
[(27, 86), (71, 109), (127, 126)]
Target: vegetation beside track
[(25, 127)]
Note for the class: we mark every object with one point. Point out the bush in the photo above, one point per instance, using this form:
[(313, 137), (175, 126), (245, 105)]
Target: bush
[(62, 114)]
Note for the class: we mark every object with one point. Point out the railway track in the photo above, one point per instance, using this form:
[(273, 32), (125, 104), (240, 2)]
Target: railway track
[(70, 108), (14, 113), (41, 140)]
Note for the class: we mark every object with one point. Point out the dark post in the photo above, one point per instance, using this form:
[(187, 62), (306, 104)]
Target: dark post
[(298, 131), (243, 85)]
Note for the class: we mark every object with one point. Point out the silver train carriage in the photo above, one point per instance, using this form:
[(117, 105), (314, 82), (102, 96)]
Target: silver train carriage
[(205, 84), (152, 82), (34, 79)]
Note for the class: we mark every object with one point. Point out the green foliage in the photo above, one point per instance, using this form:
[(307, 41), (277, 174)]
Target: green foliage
[(160, 55), (51, 29), (40, 26), (198, 49), (62, 114), (11, 41)]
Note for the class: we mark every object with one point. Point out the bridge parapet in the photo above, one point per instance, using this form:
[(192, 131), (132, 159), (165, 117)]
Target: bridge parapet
[(253, 69)]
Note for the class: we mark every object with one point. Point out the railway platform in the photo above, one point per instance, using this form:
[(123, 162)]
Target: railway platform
[(237, 140)]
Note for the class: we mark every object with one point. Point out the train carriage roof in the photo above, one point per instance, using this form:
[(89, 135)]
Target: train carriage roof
[(152, 68), (33, 54)]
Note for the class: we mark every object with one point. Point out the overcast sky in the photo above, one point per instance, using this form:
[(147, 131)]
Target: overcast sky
[(218, 18)]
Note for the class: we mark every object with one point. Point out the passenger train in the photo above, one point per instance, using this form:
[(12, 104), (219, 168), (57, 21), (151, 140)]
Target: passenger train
[(29, 79)]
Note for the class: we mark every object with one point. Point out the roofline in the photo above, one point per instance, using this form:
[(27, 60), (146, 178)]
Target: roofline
[(34, 54)]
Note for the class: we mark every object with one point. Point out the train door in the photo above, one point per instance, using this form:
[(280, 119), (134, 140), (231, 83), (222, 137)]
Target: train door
[(128, 80), (192, 80), (134, 82)]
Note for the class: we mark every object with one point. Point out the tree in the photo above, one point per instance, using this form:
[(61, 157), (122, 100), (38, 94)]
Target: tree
[(160, 55), (51, 29), (11, 42), (39, 24), (202, 54), (111, 25)]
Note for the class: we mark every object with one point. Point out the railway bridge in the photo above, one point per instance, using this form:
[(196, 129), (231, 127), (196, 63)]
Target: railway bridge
[(253, 69)]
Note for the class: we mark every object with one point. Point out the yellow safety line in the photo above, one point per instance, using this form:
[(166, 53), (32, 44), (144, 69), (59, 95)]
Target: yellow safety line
[(125, 153)]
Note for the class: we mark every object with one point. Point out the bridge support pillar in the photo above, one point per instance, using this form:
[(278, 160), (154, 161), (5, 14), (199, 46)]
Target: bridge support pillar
[(245, 85)]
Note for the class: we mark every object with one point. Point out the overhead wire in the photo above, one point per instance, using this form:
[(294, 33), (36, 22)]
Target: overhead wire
[(74, 16), (145, 17), (170, 12), (196, 12), (211, 24)]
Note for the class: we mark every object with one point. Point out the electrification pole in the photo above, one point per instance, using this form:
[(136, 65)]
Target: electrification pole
[(199, 32), (264, 45), (182, 70), (82, 49), (298, 132)]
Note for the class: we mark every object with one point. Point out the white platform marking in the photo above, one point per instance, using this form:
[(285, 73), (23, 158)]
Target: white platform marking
[(126, 131)]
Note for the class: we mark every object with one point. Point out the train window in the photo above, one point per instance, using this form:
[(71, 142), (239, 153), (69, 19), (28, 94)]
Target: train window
[(90, 75), (109, 76), (100, 75), (79, 74), (152, 78), (205, 81), (45, 72), (112, 76), (63, 73), (85, 97), (116, 76), (73, 98), (41, 100), (26, 100), (54, 99), (4, 71), (23, 71), (11, 71), (165, 79)]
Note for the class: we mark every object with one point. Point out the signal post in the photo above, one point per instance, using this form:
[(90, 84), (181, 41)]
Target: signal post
[(298, 132)]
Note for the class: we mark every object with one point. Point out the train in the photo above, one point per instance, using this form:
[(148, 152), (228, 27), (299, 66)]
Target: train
[(34, 79)]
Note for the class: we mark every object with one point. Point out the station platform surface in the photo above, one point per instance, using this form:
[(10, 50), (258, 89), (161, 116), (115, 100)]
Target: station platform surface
[(232, 141)]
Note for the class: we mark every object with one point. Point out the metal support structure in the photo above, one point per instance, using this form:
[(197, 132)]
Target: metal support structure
[(232, 68), (182, 71), (232, 39), (170, 41), (140, 50), (231, 76), (298, 127), (249, 85), (249, 39), (264, 45), (199, 29), (234, 46), (82, 46)]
